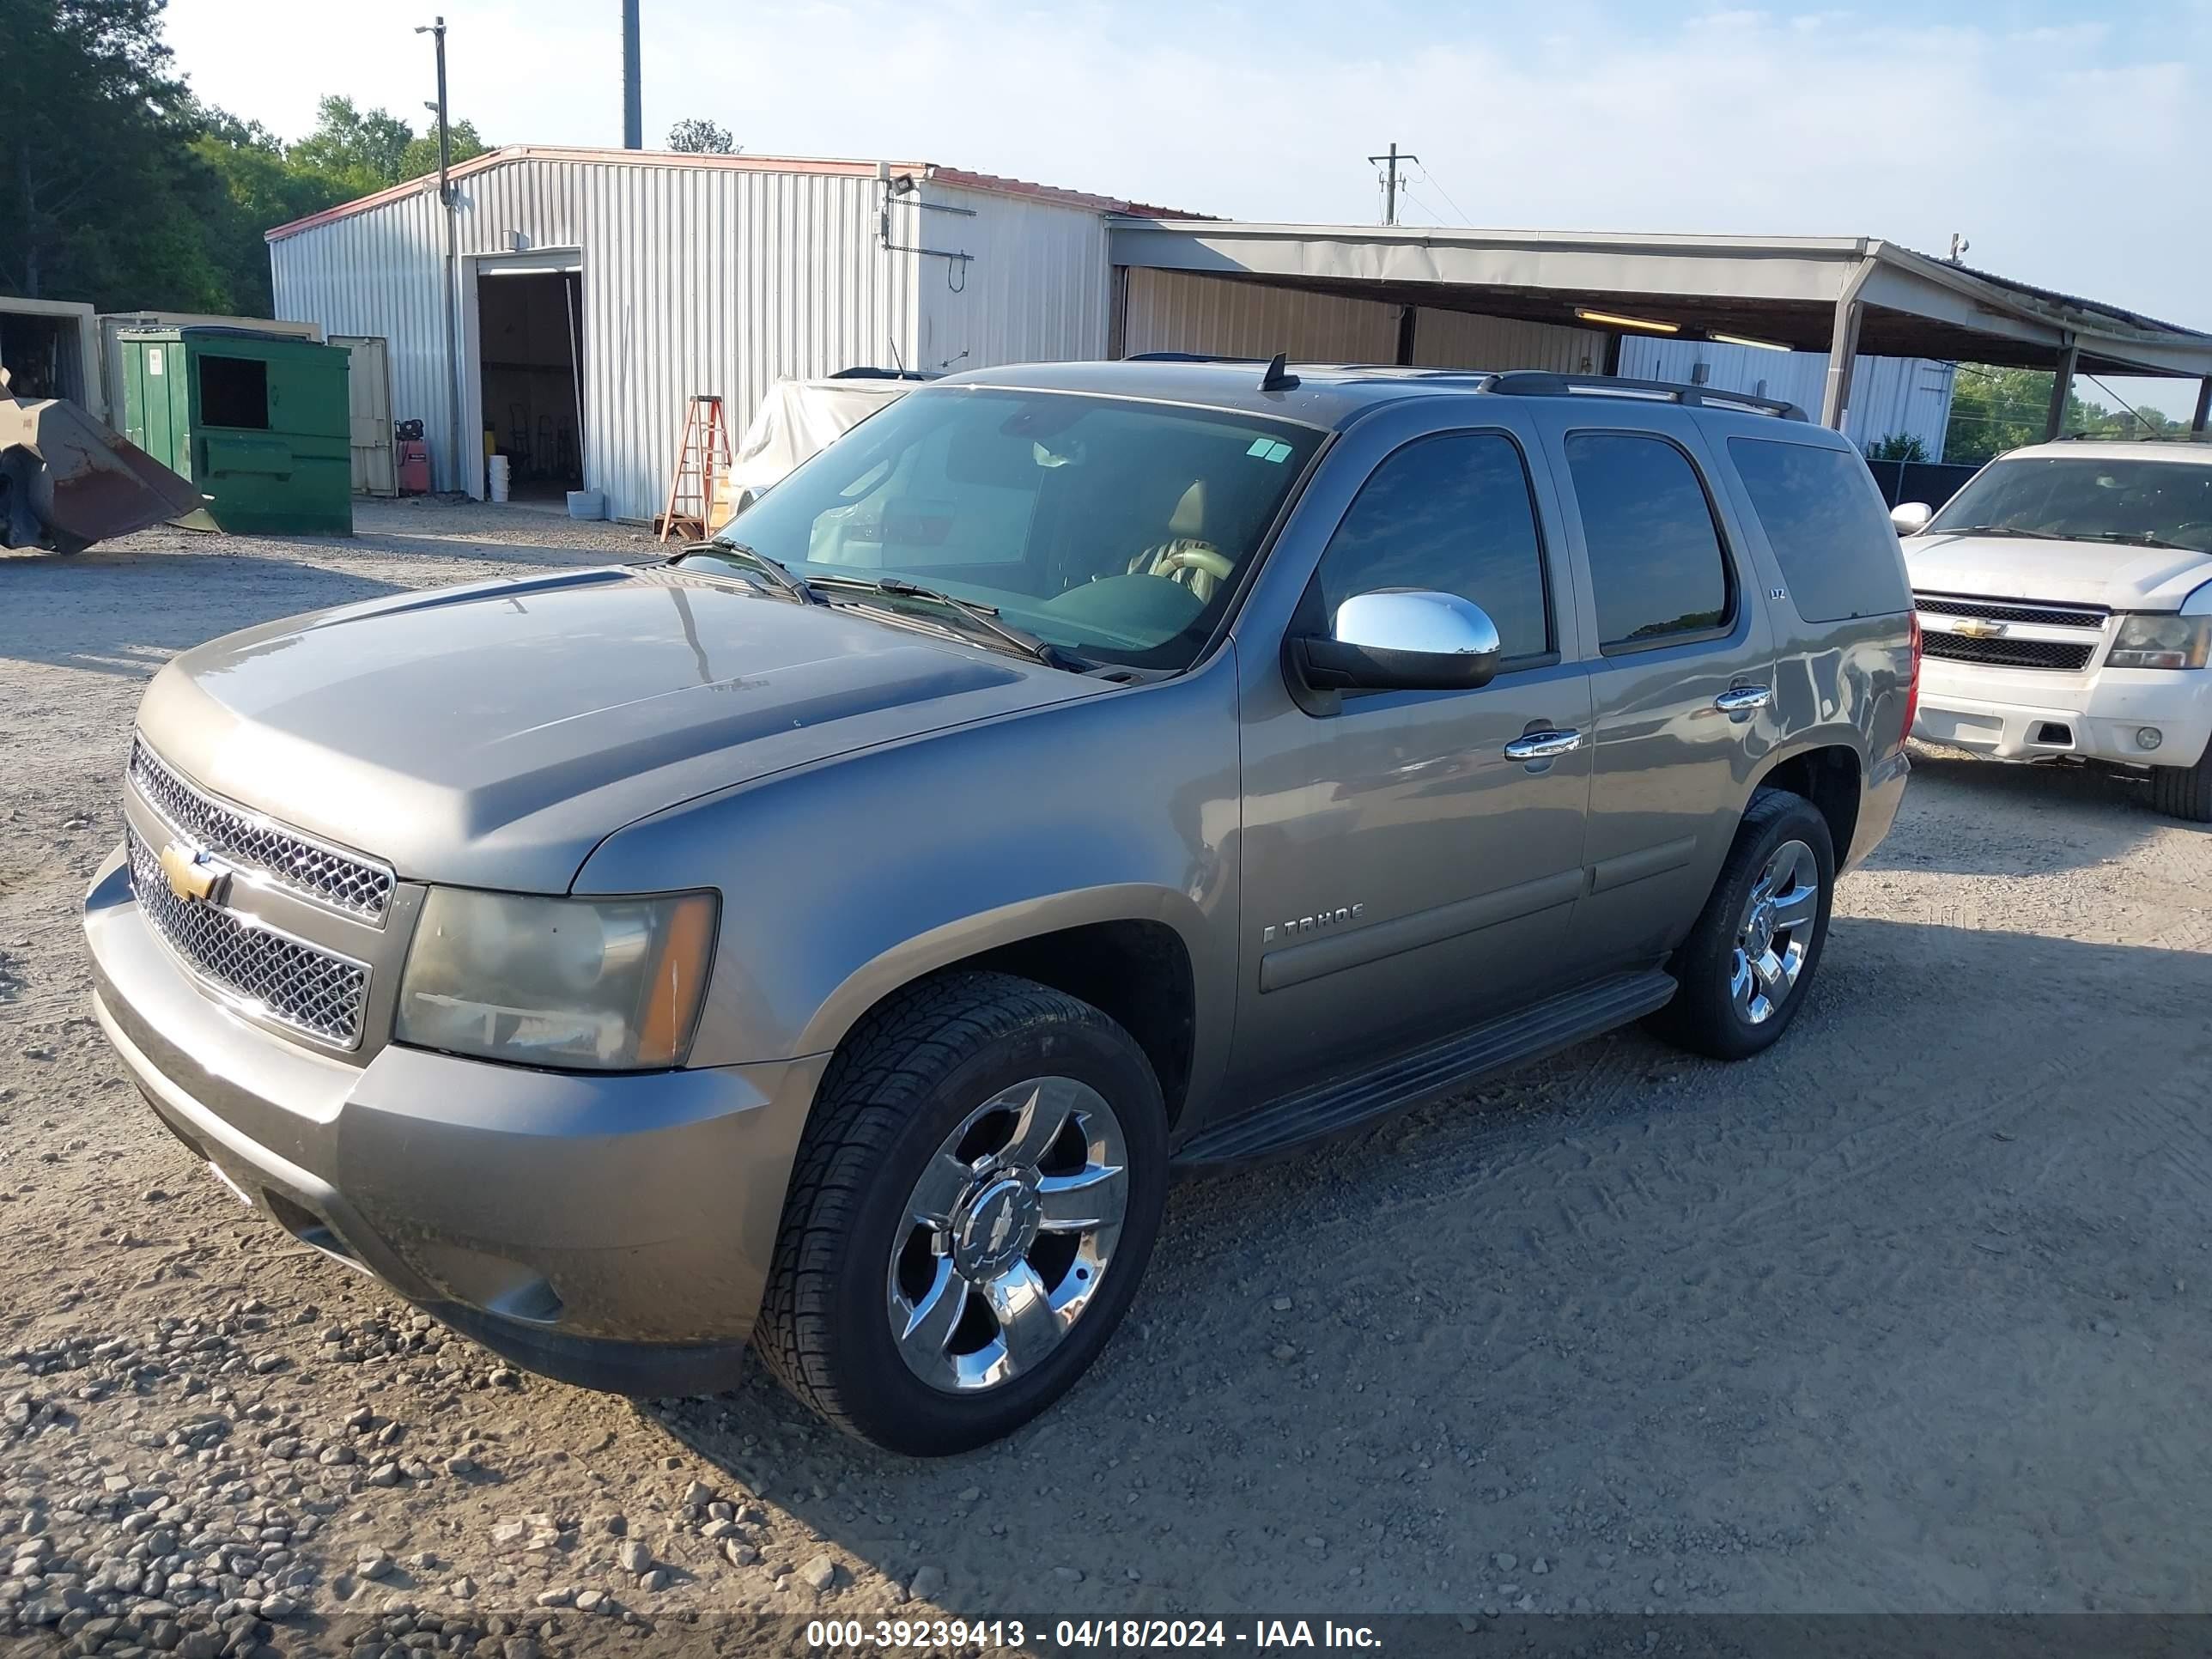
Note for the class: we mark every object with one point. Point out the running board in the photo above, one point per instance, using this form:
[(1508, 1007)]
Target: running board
[(1313, 1113)]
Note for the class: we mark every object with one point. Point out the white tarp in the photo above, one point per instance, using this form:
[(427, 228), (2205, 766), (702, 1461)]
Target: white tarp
[(799, 419)]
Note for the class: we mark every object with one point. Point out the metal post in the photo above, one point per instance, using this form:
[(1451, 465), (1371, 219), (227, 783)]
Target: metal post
[(2199, 421), (633, 92), (436, 31), (1843, 347), (1390, 180), (2061, 389)]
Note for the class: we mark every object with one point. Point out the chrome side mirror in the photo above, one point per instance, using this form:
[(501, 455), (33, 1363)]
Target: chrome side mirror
[(1910, 517), (1401, 639)]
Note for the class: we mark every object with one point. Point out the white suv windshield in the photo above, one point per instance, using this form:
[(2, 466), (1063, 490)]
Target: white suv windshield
[(2148, 502), (1114, 529)]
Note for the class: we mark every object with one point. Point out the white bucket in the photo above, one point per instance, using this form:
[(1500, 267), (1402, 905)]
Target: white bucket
[(496, 471)]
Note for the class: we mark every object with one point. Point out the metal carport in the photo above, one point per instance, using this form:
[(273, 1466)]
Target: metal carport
[(1842, 295)]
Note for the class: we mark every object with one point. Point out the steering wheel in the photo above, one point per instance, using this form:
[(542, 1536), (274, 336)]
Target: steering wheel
[(1204, 559)]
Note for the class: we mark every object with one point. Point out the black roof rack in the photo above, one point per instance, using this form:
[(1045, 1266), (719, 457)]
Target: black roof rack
[(1542, 383)]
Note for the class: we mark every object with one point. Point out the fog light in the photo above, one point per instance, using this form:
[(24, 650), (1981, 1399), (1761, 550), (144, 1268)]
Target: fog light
[(2149, 737)]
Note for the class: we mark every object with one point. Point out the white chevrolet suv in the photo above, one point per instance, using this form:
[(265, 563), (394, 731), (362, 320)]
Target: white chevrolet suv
[(2065, 599)]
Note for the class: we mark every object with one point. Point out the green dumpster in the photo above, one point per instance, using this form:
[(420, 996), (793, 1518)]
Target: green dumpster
[(259, 423)]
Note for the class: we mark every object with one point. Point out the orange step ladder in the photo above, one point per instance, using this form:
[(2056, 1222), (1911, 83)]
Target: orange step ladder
[(703, 452)]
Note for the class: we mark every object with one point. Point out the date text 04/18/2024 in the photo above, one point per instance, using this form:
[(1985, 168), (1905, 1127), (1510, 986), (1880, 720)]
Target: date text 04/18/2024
[(1079, 1634)]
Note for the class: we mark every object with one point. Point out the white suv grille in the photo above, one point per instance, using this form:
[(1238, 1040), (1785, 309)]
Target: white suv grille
[(282, 979), (315, 871)]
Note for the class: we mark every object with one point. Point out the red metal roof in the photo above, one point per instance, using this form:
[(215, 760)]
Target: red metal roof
[(957, 178)]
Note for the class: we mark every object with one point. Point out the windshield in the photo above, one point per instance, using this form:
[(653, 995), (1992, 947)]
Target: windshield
[(2149, 502), (1113, 529)]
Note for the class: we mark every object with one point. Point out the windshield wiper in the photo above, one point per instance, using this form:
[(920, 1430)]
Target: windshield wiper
[(1987, 530), (983, 617), (2124, 538), (792, 587)]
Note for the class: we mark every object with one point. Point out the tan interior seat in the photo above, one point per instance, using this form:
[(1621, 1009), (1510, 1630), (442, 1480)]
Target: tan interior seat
[(1185, 557)]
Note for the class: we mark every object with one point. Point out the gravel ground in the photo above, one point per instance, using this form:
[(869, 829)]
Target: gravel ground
[(1907, 1315)]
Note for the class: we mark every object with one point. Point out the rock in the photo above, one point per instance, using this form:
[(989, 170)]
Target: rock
[(1541, 1566), (970, 1494), (264, 1364), (385, 1475), (519, 1647), (633, 1556), (591, 1601), (277, 1607), (1504, 1561), (818, 1574), (506, 1534), (698, 1494), (740, 1555), (1286, 1352), (374, 1566), (655, 1581), (1281, 1305), (1659, 1587), (458, 1465), (563, 1597), (1316, 1541), (1068, 1575), (714, 1530), (925, 1583)]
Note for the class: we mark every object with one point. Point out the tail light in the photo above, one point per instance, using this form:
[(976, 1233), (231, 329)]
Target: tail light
[(1912, 681)]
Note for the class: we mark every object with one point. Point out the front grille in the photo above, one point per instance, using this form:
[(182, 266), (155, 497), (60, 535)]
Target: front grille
[(2044, 615), (279, 977), (2007, 653), (325, 874)]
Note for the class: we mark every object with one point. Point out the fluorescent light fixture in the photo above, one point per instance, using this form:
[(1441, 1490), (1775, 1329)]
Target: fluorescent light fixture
[(1609, 319), (1745, 339)]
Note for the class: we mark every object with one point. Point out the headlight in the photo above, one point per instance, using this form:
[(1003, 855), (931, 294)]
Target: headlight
[(598, 984), (2147, 641)]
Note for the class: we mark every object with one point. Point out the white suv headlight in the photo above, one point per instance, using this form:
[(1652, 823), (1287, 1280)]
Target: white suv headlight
[(2161, 641), (594, 984)]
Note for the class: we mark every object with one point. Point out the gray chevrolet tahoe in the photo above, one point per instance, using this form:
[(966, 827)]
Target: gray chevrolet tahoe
[(831, 941)]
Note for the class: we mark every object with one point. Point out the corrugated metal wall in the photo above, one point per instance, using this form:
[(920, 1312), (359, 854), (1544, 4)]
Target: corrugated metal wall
[(1910, 395), (1184, 311), (1459, 340), (1035, 288), (1180, 311), (696, 279)]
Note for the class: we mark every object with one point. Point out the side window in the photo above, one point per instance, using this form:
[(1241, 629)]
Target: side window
[(1657, 565), (1454, 514), (1824, 520)]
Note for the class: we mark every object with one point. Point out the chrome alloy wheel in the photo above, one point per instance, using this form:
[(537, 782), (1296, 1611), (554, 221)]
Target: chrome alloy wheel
[(1009, 1234), (1774, 932)]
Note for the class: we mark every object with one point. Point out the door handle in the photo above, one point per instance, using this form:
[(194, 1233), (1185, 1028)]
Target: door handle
[(1742, 699), (1542, 745)]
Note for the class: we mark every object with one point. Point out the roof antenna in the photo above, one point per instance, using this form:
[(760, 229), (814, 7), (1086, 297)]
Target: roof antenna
[(1278, 379)]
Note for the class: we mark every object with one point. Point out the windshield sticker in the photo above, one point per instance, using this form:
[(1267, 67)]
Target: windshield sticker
[(1269, 449)]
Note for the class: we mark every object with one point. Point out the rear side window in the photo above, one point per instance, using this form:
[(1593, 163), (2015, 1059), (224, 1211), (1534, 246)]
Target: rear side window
[(1824, 520), (1657, 570), (1452, 515)]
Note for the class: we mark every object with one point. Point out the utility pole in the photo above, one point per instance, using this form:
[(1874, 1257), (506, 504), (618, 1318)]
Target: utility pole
[(633, 94), (1390, 180), (436, 31)]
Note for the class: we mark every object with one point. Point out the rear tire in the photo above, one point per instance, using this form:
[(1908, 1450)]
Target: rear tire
[(939, 1085), (2184, 792), (1748, 965)]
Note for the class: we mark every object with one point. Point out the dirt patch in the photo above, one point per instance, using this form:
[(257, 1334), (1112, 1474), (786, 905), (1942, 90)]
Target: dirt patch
[(1909, 1315)]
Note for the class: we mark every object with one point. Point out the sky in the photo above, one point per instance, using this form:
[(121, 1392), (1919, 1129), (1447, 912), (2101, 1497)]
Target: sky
[(2069, 149)]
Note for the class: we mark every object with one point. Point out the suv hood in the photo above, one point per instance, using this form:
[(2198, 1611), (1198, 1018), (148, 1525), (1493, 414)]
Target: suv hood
[(2108, 574), (492, 735)]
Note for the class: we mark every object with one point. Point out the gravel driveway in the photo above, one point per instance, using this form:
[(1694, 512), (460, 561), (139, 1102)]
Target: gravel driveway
[(1909, 1315)]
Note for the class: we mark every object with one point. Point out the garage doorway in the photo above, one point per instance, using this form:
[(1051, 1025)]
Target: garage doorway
[(530, 378)]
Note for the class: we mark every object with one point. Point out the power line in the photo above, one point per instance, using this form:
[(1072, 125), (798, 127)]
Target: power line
[(1446, 194)]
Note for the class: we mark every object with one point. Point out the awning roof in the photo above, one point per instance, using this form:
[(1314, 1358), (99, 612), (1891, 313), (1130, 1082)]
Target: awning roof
[(1785, 288)]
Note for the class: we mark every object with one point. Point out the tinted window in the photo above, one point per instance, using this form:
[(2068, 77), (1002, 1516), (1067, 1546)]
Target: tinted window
[(1656, 559), (1824, 519), (2089, 498), (1452, 515)]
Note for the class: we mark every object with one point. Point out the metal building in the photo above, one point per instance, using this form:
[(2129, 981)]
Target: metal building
[(593, 291)]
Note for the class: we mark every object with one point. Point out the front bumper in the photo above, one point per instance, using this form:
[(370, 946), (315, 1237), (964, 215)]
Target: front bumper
[(612, 1231), (2008, 713)]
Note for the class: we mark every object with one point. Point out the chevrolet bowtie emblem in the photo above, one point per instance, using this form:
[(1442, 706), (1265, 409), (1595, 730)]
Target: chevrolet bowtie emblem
[(1974, 628), (193, 876)]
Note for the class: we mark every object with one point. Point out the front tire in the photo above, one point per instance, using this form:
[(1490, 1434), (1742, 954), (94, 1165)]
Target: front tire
[(1748, 965), (2184, 792), (973, 1202)]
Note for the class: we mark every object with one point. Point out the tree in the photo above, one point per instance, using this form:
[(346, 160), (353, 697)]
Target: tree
[(367, 151), (699, 136), (260, 186), (1898, 447), (1994, 409), (99, 195)]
